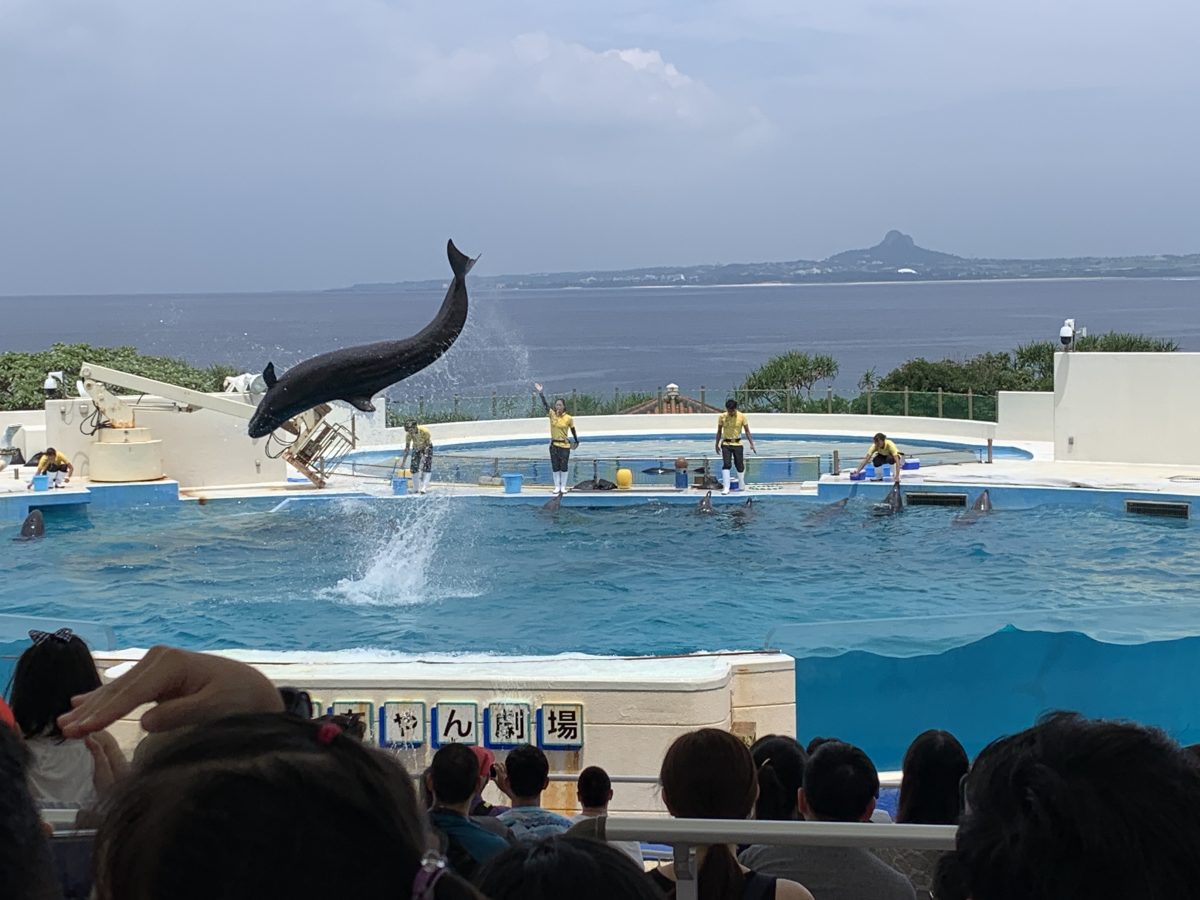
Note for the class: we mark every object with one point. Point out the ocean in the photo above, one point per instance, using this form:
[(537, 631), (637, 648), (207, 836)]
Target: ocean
[(629, 338)]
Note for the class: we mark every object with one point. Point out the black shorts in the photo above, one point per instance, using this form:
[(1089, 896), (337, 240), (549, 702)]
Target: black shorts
[(559, 457), (56, 467), (735, 453), (881, 458), (422, 460)]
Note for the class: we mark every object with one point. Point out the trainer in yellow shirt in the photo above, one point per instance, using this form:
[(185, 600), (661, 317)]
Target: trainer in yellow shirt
[(730, 425), (421, 441), (561, 422), (883, 451), (57, 465)]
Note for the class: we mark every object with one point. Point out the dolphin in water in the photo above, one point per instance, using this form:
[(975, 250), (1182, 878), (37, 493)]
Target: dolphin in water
[(356, 374), (705, 503), (892, 505), (553, 503), (980, 508), (33, 527)]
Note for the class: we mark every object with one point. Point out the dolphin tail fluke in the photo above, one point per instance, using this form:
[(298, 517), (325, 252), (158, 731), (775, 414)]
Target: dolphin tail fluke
[(460, 263)]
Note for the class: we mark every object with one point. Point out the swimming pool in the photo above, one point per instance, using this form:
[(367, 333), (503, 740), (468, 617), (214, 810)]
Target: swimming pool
[(851, 594), (781, 457)]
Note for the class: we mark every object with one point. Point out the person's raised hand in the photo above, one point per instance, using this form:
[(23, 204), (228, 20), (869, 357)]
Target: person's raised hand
[(187, 688), (537, 387)]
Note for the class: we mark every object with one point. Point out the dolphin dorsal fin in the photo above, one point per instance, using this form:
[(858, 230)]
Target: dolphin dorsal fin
[(269, 375)]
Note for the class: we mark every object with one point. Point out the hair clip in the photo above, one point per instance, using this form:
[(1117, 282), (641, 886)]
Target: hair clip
[(63, 635), (433, 867), (327, 732)]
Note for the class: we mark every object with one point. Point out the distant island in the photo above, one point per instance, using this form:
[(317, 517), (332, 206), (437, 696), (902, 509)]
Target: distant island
[(896, 258)]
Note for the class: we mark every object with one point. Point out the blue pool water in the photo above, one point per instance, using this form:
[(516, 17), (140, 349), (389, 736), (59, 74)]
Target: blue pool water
[(879, 596)]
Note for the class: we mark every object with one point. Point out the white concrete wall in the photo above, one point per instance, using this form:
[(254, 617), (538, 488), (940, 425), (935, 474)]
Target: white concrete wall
[(1025, 416), (1125, 407), (201, 448), (898, 427), (30, 438), (633, 708)]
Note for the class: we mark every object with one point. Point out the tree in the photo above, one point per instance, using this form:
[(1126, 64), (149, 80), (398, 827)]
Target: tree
[(786, 375)]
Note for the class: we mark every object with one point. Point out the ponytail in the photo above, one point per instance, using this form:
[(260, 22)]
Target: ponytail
[(720, 876)]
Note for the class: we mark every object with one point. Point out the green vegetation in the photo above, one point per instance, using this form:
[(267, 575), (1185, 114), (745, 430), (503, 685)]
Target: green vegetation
[(779, 381), (23, 374), (507, 406)]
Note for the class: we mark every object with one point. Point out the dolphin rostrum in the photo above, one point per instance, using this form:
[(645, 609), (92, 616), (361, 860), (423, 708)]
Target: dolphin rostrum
[(356, 374), (706, 503), (892, 505), (980, 508), (33, 527)]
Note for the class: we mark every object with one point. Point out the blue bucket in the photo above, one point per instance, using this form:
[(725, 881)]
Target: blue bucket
[(399, 486), (41, 482), (512, 483), (858, 476)]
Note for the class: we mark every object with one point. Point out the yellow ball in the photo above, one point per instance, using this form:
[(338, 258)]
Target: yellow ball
[(624, 479)]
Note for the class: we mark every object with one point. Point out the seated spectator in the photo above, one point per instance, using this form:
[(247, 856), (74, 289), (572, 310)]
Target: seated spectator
[(240, 806), (594, 791), (934, 764), (1081, 808), (523, 777), (879, 815), (487, 771), (709, 774), (840, 785), (453, 780), (780, 762), (26, 869), (62, 773), (565, 868)]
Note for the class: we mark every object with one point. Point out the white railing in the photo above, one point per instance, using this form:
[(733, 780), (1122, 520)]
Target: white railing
[(685, 835)]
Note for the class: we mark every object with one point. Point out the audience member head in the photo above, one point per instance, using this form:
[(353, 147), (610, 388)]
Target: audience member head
[(709, 774), (454, 775), (934, 764), (949, 880), (730, 405), (26, 869), (1077, 807), (240, 807), (565, 867), (528, 772), (780, 763), (49, 673), (594, 788), (840, 784), (816, 742)]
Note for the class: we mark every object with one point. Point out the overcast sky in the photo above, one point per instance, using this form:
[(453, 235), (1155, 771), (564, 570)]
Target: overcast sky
[(202, 145)]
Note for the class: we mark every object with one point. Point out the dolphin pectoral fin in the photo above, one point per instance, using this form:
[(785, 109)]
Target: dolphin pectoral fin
[(269, 375), (362, 404)]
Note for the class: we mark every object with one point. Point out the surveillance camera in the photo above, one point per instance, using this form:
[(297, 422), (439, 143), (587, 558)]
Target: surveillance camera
[(1066, 334), (52, 383)]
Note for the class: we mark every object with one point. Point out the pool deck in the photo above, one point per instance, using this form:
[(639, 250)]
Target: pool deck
[(1011, 483)]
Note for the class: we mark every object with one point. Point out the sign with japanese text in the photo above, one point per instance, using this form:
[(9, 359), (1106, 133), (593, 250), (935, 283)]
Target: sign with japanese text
[(560, 726), (402, 724), (507, 725), (455, 723)]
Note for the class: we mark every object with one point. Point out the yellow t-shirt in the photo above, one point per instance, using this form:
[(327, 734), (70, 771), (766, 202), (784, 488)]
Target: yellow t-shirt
[(731, 427), (559, 427), (888, 448), (422, 440), (45, 462)]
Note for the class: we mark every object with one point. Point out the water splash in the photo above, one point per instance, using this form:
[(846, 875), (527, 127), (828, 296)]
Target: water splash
[(408, 567)]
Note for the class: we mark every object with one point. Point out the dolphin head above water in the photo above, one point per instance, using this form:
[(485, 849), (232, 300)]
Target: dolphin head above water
[(33, 527), (356, 374)]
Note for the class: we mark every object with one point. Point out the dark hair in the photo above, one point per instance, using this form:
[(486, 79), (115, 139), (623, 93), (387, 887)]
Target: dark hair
[(934, 764), (527, 769), (1077, 807), (709, 774), (949, 879), (880, 436), (780, 762), (353, 723), (563, 866), (47, 676), (49, 450), (594, 787), (817, 742), (840, 782), (238, 808), (731, 404), (454, 773), (26, 867)]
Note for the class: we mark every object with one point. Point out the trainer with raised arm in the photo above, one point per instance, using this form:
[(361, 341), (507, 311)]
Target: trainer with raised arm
[(561, 422), (418, 438), (883, 451), (730, 425)]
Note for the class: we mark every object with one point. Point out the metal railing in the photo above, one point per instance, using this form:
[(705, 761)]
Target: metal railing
[(686, 835), (933, 404)]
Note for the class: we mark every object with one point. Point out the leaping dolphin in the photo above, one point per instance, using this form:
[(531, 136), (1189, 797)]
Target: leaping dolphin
[(356, 374), (980, 508), (33, 527)]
